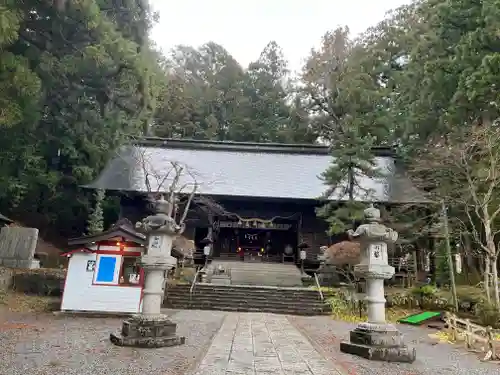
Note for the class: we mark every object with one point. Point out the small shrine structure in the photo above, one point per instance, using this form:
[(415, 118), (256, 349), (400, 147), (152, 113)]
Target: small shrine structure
[(103, 272)]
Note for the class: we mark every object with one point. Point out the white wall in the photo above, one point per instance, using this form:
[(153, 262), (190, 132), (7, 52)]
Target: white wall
[(81, 295)]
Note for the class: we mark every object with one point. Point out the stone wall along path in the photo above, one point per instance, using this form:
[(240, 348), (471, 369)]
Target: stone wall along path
[(262, 344)]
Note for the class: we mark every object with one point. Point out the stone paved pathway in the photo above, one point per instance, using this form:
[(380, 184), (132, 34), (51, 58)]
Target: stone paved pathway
[(262, 344)]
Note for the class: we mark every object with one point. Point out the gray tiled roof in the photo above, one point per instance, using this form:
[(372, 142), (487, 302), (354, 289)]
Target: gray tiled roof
[(251, 170)]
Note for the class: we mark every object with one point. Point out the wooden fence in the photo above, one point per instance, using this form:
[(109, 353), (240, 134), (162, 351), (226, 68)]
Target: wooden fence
[(476, 338)]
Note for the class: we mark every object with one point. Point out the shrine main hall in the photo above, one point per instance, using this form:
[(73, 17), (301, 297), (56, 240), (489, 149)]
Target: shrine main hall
[(266, 193)]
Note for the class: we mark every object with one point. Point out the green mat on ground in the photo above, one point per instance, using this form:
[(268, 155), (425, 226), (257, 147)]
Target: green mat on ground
[(418, 319)]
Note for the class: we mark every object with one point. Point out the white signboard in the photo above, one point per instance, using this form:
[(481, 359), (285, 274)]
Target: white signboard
[(155, 244), (90, 265), (427, 263), (378, 253)]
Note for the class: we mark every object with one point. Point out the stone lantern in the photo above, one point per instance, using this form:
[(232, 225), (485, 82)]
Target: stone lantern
[(376, 339), (151, 328)]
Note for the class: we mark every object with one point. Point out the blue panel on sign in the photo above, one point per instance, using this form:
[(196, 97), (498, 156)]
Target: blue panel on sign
[(106, 269)]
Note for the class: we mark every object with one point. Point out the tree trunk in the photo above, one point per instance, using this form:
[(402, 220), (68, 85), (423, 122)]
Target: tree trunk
[(487, 278), (481, 263), (494, 276), (471, 267), (60, 5), (490, 244)]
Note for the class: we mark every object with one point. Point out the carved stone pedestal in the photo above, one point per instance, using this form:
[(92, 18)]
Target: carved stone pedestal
[(148, 332), (379, 342)]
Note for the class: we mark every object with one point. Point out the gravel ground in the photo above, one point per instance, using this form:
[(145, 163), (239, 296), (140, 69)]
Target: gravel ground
[(44, 344), (432, 359)]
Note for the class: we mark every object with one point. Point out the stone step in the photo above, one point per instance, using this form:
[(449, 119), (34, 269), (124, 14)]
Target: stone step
[(279, 271), (260, 288), (274, 274), (247, 301), (280, 300), (242, 295), (248, 289), (259, 281), (246, 298), (246, 308), (241, 273), (254, 265), (230, 296)]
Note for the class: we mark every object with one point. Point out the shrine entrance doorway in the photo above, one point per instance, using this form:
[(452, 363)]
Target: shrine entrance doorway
[(253, 241)]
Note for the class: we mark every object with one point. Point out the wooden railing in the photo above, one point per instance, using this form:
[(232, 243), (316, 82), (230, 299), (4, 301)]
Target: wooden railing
[(405, 272), (194, 282), (408, 264), (476, 338), (318, 286)]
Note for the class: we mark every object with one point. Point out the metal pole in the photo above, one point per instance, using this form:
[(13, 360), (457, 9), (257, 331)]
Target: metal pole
[(448, 255)]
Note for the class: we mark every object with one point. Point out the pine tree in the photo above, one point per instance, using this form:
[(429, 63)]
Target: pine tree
[(352, 160)]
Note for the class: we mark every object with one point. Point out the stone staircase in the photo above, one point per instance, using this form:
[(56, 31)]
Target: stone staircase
[(246, 298), (260, 273)]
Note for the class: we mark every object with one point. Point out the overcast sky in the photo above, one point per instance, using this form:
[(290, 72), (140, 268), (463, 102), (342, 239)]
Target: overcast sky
[(244, 27)]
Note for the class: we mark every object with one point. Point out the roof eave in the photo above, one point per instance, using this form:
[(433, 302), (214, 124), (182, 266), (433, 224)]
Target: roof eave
[(115, 232)]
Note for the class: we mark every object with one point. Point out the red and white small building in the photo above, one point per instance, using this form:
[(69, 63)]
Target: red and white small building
[(103, 273)]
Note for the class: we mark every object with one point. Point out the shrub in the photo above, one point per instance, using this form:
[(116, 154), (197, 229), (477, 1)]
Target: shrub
[(338, 305), (487, 314), (425, 291), (427, 297), (401, 299)]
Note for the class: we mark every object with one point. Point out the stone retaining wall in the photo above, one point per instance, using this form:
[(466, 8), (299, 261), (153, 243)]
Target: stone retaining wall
[(5, 278), (42, 281)]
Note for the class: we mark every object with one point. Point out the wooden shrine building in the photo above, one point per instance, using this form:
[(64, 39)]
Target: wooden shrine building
[(269, 192)]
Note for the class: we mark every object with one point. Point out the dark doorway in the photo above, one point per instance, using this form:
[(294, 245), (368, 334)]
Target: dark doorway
[(256, 244)]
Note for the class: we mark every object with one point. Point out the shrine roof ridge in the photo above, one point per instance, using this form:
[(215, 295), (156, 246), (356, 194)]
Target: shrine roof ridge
[(260, 147), (257, 170)]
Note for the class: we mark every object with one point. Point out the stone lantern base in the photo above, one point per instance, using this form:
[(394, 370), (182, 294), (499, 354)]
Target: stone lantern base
[(378, 342), (147, 332)]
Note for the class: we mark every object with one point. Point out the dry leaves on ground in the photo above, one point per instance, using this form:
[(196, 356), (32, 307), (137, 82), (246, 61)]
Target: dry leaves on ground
[(23, 303)]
